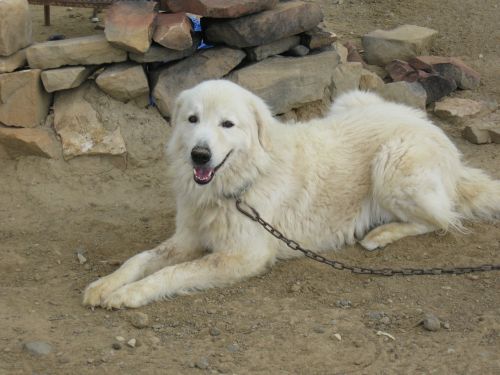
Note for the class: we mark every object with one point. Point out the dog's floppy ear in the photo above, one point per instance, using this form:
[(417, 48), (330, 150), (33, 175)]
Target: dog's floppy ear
[(263, 118)]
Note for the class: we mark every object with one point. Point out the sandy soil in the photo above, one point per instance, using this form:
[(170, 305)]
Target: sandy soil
[(284, 322)]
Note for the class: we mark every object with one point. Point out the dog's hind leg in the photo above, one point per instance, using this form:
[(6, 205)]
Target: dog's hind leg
[(416, 189), (174, 250)]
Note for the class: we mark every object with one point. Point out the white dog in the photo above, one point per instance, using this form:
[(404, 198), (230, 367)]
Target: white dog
[(371, 171)]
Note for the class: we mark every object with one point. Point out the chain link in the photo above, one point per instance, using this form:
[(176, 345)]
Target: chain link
[(251, 213)]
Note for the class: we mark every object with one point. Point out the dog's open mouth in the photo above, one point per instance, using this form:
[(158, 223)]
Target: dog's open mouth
[(203, 174)]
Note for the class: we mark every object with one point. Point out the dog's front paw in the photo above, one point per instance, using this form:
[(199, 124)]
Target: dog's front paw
[(98, 290), (131, 296)]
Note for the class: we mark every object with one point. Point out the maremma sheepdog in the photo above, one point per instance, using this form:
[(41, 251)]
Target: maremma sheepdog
[(370, 171)]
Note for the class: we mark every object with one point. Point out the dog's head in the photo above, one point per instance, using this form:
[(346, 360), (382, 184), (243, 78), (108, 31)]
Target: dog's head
[(219, 133)]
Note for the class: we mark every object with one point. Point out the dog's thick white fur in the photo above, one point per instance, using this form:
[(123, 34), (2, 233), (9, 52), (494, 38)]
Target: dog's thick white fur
[(371, 171)]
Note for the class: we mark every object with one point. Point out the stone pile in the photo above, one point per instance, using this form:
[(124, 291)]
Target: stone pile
[(276, 49)]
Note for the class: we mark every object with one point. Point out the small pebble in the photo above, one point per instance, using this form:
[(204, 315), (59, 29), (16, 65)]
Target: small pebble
[(431, 322), (139, 320), (343, 304), (446, 325), (214, 331), (120, 338), (132, 343), (202, 363), (116, 346), (319, 329), (38, 348), (90, 361), (337, 336)]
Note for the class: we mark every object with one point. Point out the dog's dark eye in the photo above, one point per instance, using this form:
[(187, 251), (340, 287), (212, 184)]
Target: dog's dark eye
[(227, 124), (193, 119)]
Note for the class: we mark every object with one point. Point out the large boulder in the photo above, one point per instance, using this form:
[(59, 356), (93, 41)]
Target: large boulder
[(208, 64), (30, 142), (123, 82), (15, 26), (403, 43), (23, 101), (173, 31), (10, 63), (83, 129), (221, 8), (130, 24), (65, 78), (288, 18), (87, 50), (289, 82)]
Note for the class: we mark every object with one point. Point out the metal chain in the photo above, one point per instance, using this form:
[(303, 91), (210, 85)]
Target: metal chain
[(255, 216)]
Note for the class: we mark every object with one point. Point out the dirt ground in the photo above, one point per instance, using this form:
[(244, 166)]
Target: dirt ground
[(287, 321)]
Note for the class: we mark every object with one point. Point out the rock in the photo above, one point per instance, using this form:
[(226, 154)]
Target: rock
[(87, 50), (477, 135), (132, 343), (23, 101), (129, 24), (221, 8), (352, 53), (431, 322), (343, 304), (337, 336), (81, 258), (298, 51), (319, 329), (274, 48), (29, 142), (161, 54), (65, 78), (81, 127), (286, 19), (370, 81), (381, 72), (403, 42), (449, 67), (214, 331), (317, 38), (173, 31), (409, 93), (342, 51), (437, 87), (202, 363), (15, 26), (38, 348), (123, 81), (10, 63), (399, 70), (495, 134), (208, 64), (120, 338), (457, 109), (139, 320), (116, 346), (276, 79), (346, 77)]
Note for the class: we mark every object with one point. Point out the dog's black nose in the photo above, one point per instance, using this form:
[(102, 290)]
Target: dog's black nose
[(201, 155)]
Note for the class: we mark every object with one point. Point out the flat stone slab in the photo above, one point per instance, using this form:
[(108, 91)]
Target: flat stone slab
[(173, 31), (212, 63), (449, 67), (65, 78), (30, 142), (317, 38), (403, 43), (458, 109), (409, 93), (286, 19), (124, 81), (221, 8), (82, 129), (23, 101), (15, 26), (130, 24), (87, 50), (277, 79), (274, 48), (10, 63)]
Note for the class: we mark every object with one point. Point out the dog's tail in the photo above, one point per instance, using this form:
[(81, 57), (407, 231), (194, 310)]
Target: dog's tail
[(478, 195)]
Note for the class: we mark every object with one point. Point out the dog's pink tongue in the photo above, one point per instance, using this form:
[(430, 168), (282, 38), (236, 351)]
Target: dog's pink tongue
[(203, 173)]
